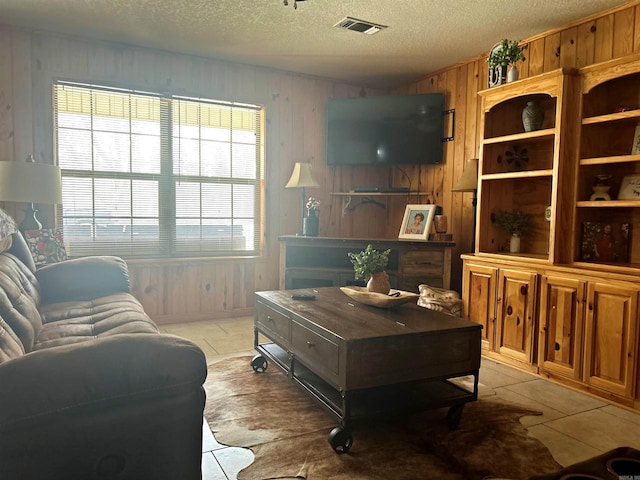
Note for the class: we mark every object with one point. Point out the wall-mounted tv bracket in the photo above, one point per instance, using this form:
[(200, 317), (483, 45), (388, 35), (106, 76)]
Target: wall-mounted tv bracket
[(452, 112), (347, 207)]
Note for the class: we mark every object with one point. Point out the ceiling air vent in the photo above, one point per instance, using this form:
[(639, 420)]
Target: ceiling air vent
[(361, 26)]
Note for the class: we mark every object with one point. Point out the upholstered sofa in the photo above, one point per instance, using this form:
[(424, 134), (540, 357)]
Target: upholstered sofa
[(89, 389)]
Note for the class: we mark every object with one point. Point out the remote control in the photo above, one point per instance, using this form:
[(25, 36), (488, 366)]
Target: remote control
[(302, 296)]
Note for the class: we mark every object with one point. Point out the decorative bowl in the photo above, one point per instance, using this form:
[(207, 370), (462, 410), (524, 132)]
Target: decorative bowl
[(395, 297)]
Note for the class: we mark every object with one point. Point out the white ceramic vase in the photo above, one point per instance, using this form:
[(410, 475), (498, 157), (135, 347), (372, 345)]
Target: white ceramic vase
[(512, 74), (514, 243)]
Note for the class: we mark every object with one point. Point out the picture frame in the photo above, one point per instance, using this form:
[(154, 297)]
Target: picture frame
[(635, 148), (630, 188), (413, 228), (605, 242)]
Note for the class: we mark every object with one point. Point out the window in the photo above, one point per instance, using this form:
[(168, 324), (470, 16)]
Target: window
[(153, 175)]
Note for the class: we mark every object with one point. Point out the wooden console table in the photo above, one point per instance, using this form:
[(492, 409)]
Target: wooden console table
[(323, 262), (360, 361)]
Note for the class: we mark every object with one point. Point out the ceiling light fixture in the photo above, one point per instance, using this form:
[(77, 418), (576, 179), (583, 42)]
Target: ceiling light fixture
[(295, 3)]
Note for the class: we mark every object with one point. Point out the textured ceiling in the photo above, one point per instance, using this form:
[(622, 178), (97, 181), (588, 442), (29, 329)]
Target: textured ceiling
[(423, 35)]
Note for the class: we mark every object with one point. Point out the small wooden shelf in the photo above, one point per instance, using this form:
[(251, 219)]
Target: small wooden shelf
[(519, 256), (612, 117), (609, 203), (376, 194), (519, 174), (547, 132), (365, 198), (609, 160)]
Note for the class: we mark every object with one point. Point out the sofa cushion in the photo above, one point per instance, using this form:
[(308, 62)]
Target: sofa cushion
[(85, 278), (73, 322), (19, 301), (10, 345), (8, 227)]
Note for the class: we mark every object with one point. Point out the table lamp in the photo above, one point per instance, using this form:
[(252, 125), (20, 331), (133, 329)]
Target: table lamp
[(469, 183), (30, 182), (302, 178)]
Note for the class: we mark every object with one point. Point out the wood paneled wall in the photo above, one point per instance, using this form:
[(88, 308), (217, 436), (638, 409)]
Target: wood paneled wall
[(295, 105)]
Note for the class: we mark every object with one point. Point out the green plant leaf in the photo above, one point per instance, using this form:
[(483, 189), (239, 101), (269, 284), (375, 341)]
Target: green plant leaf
[(369, 261)]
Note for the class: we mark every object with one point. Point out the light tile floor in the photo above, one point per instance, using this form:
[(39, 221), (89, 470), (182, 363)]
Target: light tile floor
[(573, 426)]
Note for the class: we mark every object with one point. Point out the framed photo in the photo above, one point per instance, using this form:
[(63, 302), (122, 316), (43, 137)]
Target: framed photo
[(417, 221), (604, 242), (635, 149), (630, 188)]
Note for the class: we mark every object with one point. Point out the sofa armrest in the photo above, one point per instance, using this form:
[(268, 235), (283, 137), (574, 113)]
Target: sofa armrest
[(83, 278), (128, 406), (96, 375)]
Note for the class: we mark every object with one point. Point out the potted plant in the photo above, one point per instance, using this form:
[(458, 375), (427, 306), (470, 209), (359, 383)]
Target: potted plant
[(505, 54), (515, 223), (369, 265)]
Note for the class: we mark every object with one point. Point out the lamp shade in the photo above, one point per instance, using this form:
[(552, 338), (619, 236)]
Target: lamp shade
[(29, 182), (301, 177), (469, 180)]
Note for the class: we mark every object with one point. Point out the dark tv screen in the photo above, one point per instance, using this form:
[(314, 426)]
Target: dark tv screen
[(385, 130)]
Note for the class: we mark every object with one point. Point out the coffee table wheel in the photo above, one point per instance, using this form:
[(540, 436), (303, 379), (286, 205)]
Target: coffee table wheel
[(454, 415), (259, 364), (340, 440)]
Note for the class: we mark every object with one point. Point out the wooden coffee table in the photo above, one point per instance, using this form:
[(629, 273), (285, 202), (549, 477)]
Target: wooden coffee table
[(360, 361)]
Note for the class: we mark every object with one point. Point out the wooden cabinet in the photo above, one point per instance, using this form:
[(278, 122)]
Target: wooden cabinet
[(479, 299), (589, 333), (574, 326), (515, 326), (521, 170), (307, 262), (562, 300), (611, 337), (502, 299)]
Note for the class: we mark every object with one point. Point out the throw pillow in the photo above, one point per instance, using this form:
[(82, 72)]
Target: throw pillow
[(7, 225), (46, 245)]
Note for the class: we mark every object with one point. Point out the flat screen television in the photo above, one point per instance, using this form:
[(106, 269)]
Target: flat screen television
[(385, 130)]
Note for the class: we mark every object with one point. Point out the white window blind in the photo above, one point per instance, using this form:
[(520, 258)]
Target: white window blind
[(150, 175)]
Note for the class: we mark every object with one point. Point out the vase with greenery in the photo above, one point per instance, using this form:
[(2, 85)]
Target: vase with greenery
[(311, 222), (504, 56), (369, 265), (515, 223)]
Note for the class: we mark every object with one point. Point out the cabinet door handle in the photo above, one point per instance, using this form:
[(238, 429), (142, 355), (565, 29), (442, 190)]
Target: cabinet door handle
[(524, 289), (311, 344), (269, 318), (591, 306), (509, 310)]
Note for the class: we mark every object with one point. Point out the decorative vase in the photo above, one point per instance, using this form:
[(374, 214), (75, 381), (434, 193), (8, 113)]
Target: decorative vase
[(310, 224), (379, 283), (440, 223), (514, 243), (512, 74), (532, 117)]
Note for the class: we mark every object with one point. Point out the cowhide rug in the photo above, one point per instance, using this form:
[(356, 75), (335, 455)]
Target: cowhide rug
[(287, 431)]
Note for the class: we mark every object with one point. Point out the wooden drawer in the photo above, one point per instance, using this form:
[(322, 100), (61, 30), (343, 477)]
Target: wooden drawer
[(425, 263), (319, 353), (273, 324)]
